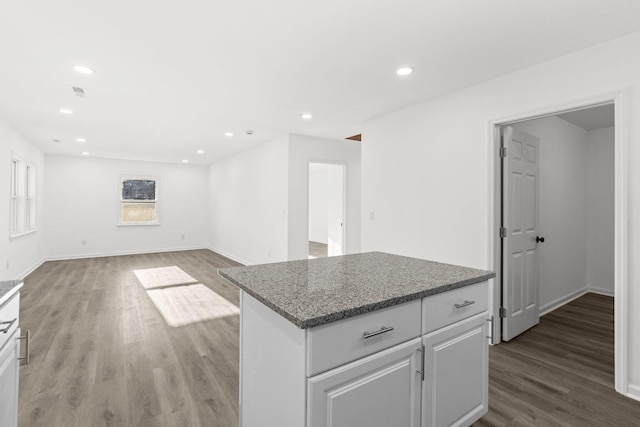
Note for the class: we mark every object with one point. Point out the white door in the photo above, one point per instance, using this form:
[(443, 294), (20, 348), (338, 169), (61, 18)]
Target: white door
[(519, 243), (335, 210), (381, 390), (456, 384)]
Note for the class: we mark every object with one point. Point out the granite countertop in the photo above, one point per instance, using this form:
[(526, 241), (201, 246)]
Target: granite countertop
[(8, 288), (317, 291)]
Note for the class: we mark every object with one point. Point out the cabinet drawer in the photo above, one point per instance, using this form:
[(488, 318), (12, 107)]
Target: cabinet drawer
[(337, 343), (449, 307), (9, 313)]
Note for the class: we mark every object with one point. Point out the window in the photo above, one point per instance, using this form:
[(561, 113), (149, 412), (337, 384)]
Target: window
[(139, 201), (23, 197)]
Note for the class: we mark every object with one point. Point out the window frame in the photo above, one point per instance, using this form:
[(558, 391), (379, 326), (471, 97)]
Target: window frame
[(124, 178), (23, 196)]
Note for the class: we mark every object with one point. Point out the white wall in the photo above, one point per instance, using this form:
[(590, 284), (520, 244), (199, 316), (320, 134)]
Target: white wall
[(600, 213), (305, 149), (248, 199), (425, 169), (318, 176), (19, 255), (82, 204), (562, 199)]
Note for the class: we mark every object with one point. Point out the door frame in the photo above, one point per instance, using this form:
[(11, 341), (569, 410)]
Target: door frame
[(344, 165), (620, 100)]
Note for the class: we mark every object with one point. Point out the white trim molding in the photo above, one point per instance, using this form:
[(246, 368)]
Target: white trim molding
[(555, 304), (633, 391), (620, 100), (230, 256)]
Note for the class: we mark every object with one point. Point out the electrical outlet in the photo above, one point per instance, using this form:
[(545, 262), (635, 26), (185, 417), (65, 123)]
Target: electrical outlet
[(372, 216), (84, 242), (182, 237)]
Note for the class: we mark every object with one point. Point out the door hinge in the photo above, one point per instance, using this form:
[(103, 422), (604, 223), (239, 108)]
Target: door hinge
[(503, 312), (503, 151), (503, 232)]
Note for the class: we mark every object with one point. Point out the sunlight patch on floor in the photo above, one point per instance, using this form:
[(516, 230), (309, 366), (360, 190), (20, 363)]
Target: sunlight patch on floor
[(183, 305), (161, 277)]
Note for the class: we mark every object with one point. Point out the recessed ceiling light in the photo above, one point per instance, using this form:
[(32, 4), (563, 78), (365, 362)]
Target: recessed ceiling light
[(84, 70), (81, 140), (185, 161), (306, 116), (85, 153), (404, 71), (200, 151), (228, 134), (66, 111)]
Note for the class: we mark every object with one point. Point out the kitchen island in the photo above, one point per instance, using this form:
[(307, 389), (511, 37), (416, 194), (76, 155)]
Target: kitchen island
[(368, 339)]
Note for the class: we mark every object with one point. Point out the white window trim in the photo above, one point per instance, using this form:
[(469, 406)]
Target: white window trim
[(23, 176), (119, 222)]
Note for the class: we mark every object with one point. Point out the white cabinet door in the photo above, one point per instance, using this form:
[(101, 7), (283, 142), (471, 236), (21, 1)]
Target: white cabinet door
[(455, 390), (381, 390), (9, 365)]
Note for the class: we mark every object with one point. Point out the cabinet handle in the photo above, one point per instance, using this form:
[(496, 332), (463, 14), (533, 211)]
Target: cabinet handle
[(9, 325), (464, 304), (26, 336), (382, 330), (421, 370)]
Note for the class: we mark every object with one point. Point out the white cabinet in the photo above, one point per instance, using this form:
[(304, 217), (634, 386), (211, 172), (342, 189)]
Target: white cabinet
[(381, 390), (9, 365), (455, 390), (367, 370)]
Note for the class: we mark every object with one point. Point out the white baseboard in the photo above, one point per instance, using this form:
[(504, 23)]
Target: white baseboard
[(31, 269), (549, 307), (230, 256), (633, 391), (121, 253), (601, 291)]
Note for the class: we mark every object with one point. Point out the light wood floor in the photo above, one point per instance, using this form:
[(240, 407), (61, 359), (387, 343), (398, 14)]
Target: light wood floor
[(318, 250), (560, 373), (102, 355)]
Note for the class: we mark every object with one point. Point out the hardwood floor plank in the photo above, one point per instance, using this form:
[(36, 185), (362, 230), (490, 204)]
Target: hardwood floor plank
[(102, 355), (561, 372)]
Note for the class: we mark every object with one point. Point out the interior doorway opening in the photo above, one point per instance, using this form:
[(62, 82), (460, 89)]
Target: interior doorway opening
[(326, 210), (617, 230)]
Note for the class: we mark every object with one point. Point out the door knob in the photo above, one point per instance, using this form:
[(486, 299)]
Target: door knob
[(539, 239)]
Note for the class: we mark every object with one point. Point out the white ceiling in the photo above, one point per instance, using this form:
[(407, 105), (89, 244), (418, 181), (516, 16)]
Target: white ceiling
[(591, 118), (173, 76)]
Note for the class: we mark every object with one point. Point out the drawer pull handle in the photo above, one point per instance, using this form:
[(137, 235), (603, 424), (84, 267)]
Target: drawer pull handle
[(382, 330), (464, 304), (421, 371), (9, 325), (26, 336)]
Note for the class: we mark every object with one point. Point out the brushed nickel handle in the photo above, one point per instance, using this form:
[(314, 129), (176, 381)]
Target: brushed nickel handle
[(464, 304), (9, 325), (382, 330), (422, 356), (26, 336)]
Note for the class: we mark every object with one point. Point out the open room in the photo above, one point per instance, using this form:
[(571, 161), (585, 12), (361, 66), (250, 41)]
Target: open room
[(337, 214)]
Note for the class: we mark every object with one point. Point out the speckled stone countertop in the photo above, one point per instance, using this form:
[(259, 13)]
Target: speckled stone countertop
[(8, 288), (317, 291)]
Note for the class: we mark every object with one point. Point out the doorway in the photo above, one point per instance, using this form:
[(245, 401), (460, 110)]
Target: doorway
[(326, 210), (593, 227)]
